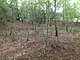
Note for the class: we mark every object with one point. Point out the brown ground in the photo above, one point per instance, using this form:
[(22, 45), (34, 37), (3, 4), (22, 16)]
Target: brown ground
[(64, 47)]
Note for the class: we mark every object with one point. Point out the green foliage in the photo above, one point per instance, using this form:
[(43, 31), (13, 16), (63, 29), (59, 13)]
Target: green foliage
[(38, 10)]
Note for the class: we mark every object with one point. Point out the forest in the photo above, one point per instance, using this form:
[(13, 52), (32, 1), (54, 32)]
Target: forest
[(39, 29)]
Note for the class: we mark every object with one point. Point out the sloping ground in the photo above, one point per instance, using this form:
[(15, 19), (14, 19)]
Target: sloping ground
[(65, 47), (62, 51)]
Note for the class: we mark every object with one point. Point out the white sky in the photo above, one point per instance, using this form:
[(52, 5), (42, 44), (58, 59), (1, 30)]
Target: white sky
[(72, 2), (61, 9)]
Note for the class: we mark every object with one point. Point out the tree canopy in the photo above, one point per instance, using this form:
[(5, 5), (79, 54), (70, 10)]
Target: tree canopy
[(36, 10)]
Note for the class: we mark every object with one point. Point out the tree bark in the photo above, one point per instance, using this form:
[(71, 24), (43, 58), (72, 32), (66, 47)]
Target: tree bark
[(56, 30)]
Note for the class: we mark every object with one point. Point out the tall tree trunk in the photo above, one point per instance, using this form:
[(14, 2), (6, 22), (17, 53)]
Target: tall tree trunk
[(12, 14), (47, 32), (47, 20), (63, 14), (28, 32), (66, 25), (56, 30)]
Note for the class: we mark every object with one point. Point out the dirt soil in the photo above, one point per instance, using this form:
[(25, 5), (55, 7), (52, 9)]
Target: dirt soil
[(64, 47)]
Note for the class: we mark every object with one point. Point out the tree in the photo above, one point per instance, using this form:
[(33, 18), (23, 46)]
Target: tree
[(56, 30)]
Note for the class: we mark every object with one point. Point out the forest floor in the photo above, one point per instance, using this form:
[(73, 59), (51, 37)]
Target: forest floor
[(64, 47)]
